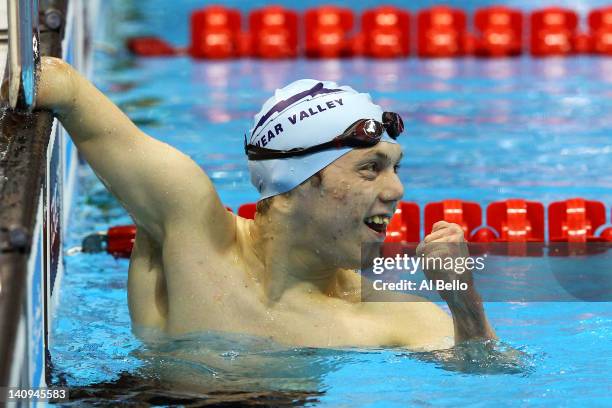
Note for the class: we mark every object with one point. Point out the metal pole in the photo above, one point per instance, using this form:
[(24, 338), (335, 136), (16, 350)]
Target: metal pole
[(23, 52)]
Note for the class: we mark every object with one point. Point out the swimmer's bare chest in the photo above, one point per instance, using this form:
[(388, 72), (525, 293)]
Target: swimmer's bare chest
[(187, 289)]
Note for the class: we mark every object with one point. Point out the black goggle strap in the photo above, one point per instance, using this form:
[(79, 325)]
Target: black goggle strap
[(347, 139), (261, 153)]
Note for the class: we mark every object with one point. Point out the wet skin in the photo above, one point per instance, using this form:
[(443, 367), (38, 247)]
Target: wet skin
[(289, 274)]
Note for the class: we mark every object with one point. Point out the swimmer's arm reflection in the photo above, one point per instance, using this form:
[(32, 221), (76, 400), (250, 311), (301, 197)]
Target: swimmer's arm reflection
[(158, 185)]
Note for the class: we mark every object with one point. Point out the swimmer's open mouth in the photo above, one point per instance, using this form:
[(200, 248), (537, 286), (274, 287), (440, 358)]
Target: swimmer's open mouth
[(378, 223)]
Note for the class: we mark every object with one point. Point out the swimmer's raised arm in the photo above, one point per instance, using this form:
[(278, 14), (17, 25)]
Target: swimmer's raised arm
[(469, 318), (157, 184)]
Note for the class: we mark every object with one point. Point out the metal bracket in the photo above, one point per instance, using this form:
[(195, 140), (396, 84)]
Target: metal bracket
[(14, 239)]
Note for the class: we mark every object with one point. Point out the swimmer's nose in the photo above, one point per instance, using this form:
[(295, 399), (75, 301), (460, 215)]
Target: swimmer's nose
[(392, 189)]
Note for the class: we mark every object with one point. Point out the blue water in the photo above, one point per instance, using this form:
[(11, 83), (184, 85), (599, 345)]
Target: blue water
[(476, 130)]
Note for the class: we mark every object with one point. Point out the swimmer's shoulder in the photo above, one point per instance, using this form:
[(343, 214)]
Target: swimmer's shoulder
[(414, 324), (408, 320)]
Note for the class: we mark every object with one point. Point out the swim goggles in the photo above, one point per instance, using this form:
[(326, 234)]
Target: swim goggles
[(362, 133)]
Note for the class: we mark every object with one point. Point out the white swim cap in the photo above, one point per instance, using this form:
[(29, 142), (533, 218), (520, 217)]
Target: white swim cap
[(305, 113)]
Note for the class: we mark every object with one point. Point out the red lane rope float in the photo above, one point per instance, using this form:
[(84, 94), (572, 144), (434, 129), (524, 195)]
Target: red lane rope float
[(120, 240), (553, 31), (499, 32), (513, 221), (215, 33), (464, 213), (517, 220), (441, 32), (405, 225), (572, 224), (404, 228), (273, 32), (327, 32), (385, 33), (247, 210), (150, 47), (517, 223), (600, 25), (575, 220), (606, 233)]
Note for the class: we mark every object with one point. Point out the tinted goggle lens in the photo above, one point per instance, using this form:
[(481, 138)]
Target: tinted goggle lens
[(368, 132), (365, 132), (393, 124)]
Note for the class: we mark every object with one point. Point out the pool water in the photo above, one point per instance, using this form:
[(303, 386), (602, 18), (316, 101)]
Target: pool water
[(478, 130)]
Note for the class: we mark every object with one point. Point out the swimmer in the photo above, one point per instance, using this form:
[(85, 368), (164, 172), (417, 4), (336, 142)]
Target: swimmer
[(324, 159)]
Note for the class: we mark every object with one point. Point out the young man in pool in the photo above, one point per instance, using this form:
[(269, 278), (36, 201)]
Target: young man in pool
[(289, 274)]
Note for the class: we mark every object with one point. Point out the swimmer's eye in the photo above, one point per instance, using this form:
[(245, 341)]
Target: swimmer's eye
[(370, 170), (372, 166), (396, 168)]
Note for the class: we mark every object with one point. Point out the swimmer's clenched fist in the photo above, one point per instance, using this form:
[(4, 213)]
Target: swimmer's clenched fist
[(447, 240), (443, 231), (323, 158)]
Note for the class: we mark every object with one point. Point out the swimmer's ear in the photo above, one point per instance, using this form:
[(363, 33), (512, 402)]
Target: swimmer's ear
[(282, 203), (317, 179)]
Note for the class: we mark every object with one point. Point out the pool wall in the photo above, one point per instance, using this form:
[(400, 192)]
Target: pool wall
[(39, 209)]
